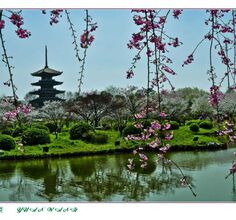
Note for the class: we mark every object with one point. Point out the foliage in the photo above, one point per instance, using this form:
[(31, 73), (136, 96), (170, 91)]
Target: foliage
[(174, 106), (96, 138), (53, 112), (79, 131), (197, 121), (201, 107), (17, 131), (41, 126), (131, 129), (34, 136), (227, 104), (7, 142), (51, 127), (206, 125), (7, 131), (194, 127), (174, 125), (91, 106)]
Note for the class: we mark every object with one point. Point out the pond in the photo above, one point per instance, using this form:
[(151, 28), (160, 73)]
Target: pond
[(106, 178)]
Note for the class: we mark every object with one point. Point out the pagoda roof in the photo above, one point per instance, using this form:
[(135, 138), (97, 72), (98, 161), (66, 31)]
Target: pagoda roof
[(46, 82), (46, 71)]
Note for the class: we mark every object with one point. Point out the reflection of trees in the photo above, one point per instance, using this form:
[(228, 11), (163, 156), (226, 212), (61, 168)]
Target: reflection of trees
[(93, 178), (7, 169), (48, 173), (116, 181)]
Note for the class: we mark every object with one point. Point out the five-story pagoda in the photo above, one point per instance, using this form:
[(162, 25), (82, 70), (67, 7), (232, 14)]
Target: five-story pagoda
[(47, 92)]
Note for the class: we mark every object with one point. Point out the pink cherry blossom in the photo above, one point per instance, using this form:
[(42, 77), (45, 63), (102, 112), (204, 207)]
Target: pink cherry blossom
[(22, 33), (177, 13), (130, 74), (189, 60), (162, 114), (143, 157), (55, 14), (155, 125), (16, 19), (139, 116)]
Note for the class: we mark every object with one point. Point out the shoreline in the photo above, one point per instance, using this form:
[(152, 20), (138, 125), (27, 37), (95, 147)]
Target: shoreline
[(174, 148)]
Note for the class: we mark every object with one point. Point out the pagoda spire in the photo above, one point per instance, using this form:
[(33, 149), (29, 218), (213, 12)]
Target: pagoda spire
[(46, 56)]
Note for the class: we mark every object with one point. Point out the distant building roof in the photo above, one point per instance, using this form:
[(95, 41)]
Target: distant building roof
[(46, 70)]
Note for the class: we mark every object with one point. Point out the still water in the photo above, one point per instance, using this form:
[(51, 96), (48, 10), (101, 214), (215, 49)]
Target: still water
[(106, 178)]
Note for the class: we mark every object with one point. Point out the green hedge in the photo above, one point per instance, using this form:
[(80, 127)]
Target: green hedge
[(79, 131), (206, 125), (174, 125), (131, 129), (35, 136), (7, 142), (194, 127)]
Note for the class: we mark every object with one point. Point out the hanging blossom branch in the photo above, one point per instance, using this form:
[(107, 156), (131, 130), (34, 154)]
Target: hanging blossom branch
[(153, 137), (151, 35), (86, 38), (73, 35), (217, 35), (17, 20)]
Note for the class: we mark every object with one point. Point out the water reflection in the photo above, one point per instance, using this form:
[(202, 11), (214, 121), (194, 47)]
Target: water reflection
[(106, 178)]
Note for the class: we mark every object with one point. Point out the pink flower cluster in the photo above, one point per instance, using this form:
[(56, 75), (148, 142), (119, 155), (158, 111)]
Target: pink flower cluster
[(189, 60), (17, 20), (215, 95), (12, 115), (177, 13), (168, 70), (87, 38), (150, 37), (135, 41), (224, 58), (54, 16), (130, 74)]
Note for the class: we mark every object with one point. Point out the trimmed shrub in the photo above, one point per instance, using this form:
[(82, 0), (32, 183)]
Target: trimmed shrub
[(206, 125), (41, 126), (7, 142), (79, 131), (35, 136), (52, 127), (100, 139), (174, 125), (17, 132), (7, 131), (131, 129), (95, 138), (197, 121), (106, 126), (194, 127)]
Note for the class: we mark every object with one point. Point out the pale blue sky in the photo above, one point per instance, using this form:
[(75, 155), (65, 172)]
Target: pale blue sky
[(108, 58)]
